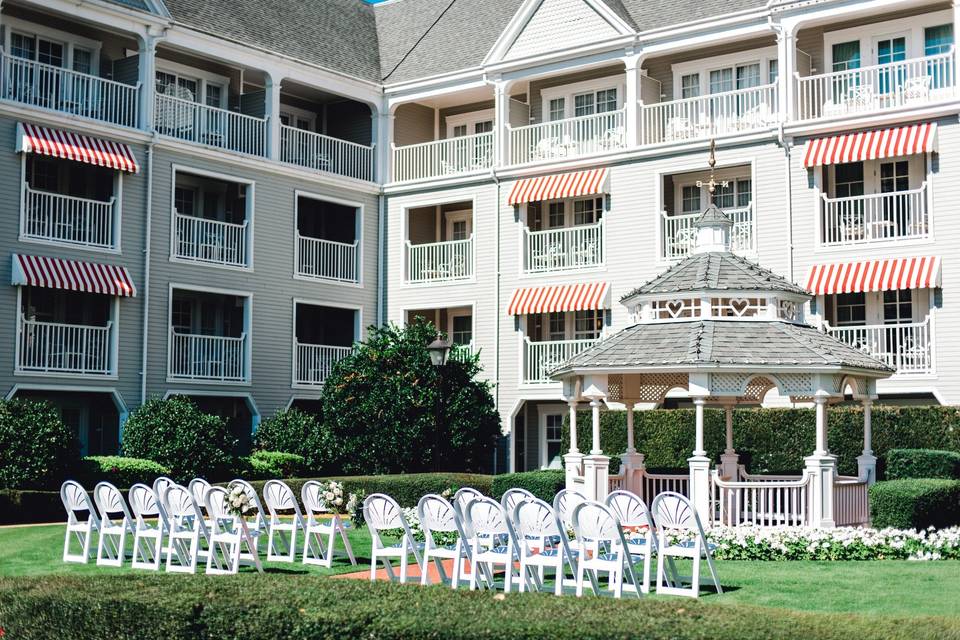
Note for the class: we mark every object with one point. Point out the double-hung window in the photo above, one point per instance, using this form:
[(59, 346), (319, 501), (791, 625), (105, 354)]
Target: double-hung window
[(851, 309), (462, 330), (603, 101), (587, 211), (558, 109), (898, 306), (587, 324), (690, 85), (849, 180), (557, 214), (690, 199)]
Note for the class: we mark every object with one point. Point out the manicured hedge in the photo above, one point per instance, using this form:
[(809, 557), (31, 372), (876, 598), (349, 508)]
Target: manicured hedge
[(543, 484), (915, 503), (118, 470), (922, 463), (264, 465), (774, 440), (28, 507)]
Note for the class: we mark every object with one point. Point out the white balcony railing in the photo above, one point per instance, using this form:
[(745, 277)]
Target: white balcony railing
[(199, 357), (561, 249), (314, 362), (462, 351), (66, 219), (679, 234), (897, 215), (327, 259), (213, 241), (50, 347), (440, 261), (324, 153), (195, 122), (907, 348), (540, 358), (80, 94), (914, 82), (568, 138), (443, 157), (703, 117)]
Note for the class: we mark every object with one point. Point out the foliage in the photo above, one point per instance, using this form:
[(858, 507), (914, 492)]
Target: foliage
[(915, 503), (176, 434), (543, 484), (389, 410), (922, 463), (36, 448), (355, 508), (268, 465), (298, 432), (119, 471)]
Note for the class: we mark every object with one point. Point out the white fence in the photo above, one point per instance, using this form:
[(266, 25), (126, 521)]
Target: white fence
[(327, 259), (703, 117), (443, 157), (769, 502), (913, 82), (559, 249), (80, 94), (568, 138), (679, 236), (541, 358), (875, 217), (440, 261), (213, 241), (199, 357), (851, 504), (67, 219), (324, 153), (195, 122), (49, 347), (908, 348), (462, 351), (314, 362)]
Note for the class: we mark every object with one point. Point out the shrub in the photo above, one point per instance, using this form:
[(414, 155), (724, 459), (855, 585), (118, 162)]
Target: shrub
[(119, 471), (176, 434), (268, 465), (915, 503), (37, 448), (543, 484), (922, 463), (298, 432)]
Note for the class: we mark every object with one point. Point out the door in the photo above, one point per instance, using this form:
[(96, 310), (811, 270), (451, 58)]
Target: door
[(889, 51), (551, 431)]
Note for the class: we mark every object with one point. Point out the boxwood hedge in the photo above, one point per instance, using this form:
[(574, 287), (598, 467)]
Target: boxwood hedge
[(922, 463), (543, 484), (915, 503), (118, 470)]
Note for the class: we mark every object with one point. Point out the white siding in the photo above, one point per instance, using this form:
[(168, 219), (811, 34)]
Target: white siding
[(560, 24)]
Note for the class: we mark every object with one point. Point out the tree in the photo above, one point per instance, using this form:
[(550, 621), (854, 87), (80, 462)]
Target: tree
[(381, 405), (38, 449), (296, 431)]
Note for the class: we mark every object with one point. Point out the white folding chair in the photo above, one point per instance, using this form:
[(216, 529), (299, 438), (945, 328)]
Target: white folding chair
[(382, 513), (512, 497), (320, 534), (188, 538), (564, 503), (115, 523), (594, 521), (226, 552), (674, 514), (436, 514), (492, 542), (535, 522), (259, 522), (198, 488), (147, 537), (160, 485), (75, 500), (460, 501), (634, 518), (282, 534)]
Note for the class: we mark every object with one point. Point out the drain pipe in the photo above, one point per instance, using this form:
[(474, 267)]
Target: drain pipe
[(382, 257), (146, 271), (788, 182), (496, 324)]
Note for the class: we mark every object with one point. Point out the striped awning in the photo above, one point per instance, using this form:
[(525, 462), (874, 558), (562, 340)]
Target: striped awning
[(73, 275), (560, 185), (73, 146), (561, 297), (871, 145), (922, 272)]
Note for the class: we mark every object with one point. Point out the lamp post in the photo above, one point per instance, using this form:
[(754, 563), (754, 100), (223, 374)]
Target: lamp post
[(439, 350)]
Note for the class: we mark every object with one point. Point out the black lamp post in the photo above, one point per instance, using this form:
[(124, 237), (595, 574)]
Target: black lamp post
[(439, 350)]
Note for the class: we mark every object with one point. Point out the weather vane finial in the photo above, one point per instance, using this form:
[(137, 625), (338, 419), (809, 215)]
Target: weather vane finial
[(712, 184)]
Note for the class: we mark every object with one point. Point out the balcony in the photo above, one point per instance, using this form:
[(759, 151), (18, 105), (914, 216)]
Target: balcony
[(909, 83), (907, 348), (880, 217), (540, 358), (82, 222), (568, 138), (440, 261), (462, 352), (710, 116), (314, 362), (202, 357), (453, 156), (578, 247), (195, 122), (327, 259), (210, 241), (324, 153), (51, 347), (679, 235), (80, 94)]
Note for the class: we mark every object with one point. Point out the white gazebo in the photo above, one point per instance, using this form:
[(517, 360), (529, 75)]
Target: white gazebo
[(725, 331)]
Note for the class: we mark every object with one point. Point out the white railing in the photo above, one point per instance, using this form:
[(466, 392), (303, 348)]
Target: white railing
[(80, 94), (67, 219), (443, 157), (324, 153), (876, 217), (211, 126), (462, 351), (907, 348), (703, 117), (913, 82), (327, 259), (851, 505), (768, 503), (440, 261), (543, 357), (678, 234), (568, 138), (616, 482), (213, 241), (51, 347), (199, 357), (653, 484), (559, 249), (314, 362)]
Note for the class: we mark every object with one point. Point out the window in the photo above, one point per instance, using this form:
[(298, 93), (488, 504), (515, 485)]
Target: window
[(83, 61), (849, 179), (483, 127), (557, 214), (894, 176), (587, 325), (22, 46), (583, 105), (690, 200), (181, 315), (183, 201), (606, 100), (462, 330), (558, 109), (43, 174), (602, 101), (851, 309), (937, 39), (459, 230), (177, 86), (557, 326), (50, 53), (891, 50), (898, 306), (214, 96), (553, 427), (748, 75), (721, 80), (690, 85), (735, 195), (773, 71), (459, 131), (587, 211), (744, 192), (846, 55)]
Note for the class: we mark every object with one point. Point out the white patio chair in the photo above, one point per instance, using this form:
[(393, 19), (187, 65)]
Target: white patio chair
[(673, 513), (461, 499), (382, 513), (198, 488), (492, 542), (75, 500), (594, 521), (437, 515), (282, 534), (512, 497), (115, 523), (226, 552), (147, 537), (320, 534), (259, 521), (160, 485), (189, 537), (534, 520), (917, 89), (639, 532)]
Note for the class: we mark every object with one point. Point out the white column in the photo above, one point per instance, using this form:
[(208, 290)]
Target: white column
[(596, 466), (699, 404), (384, 151), (787, 60), (631, 447), (573, 460), (822, 468), (820, 403), (631, 100), (867, 462), (272, 113), (501, 141), (956, 21), (729, 459), (573, 426), (630, 460), (700, 468), (595, 449), (147, 68)]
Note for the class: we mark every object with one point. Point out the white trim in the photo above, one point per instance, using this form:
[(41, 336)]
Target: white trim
[(761, 56), (70, 41), (544, 410), (468, 118), (202, 77), (435, 199), (867, 34), (359, 235)]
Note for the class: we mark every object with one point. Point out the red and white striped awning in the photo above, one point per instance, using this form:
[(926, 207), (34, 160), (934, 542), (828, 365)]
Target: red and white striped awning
[(560, 185), (73, 146), (73, 275), (921, 272), (560, 297), (871, 145)]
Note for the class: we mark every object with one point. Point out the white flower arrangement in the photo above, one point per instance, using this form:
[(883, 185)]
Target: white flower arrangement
[(331, 492), (238, 503)]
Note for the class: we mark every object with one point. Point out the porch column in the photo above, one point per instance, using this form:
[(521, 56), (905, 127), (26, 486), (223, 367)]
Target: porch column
[(501, 136), (729, 459), (821, 467), (700, 468), (867, 462), (384, 150), (573, 461), (787, 56), (272, 113), (631, 101), (147, 72), (596, 466), (631, 461)]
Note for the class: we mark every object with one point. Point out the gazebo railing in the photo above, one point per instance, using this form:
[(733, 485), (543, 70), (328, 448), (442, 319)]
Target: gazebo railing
[(851, 506), (766, 503)]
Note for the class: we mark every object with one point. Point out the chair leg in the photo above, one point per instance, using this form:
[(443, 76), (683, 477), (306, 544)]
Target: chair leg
[(403, 566), (426, 563), (580, 570), (373, 566), (713, 573)]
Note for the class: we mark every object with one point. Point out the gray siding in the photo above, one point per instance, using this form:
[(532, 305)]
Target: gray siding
[(126, 70), (413, 124), (349, 121)]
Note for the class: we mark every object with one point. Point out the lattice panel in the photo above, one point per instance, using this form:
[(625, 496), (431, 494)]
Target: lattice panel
[(727, 384), (652, 387), (788, 310), (796, 383), (757, 388), (615, 388)]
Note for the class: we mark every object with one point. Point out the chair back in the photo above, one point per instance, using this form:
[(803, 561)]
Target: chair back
[(674, 511), (110, 502), (215, 502), (280, 498), (594, 521), (437, 514), (182, 510), (564, 503), (254, 500), (160, 486), (463, 497), (534, 519), (144, 504), (512, 497), (486, 517), (199, 487), (629, 509), (76, 499), (312, 503), (381, 512)]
